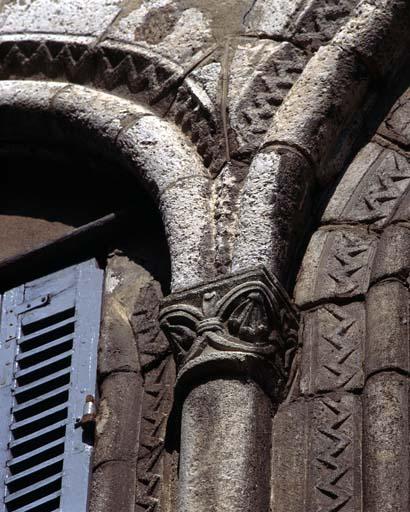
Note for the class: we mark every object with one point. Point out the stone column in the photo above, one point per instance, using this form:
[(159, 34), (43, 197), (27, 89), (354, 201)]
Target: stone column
[(234, 340)]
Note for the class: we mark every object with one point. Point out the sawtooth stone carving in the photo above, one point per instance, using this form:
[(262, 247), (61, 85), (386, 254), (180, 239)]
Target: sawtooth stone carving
[(333, 348), (136, 71), (235, 322)]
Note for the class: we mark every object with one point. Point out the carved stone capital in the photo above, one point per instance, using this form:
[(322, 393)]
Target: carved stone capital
[(243, 323)]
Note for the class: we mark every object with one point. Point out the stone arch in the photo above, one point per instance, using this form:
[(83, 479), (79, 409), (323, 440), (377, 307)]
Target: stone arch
[(153, 149), (132, 71)]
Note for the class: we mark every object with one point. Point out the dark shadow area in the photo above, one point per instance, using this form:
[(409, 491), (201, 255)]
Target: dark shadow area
[(61, 205)]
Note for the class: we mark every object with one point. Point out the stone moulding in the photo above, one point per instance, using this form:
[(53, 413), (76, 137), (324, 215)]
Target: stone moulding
[(243, 324), (130, 70)]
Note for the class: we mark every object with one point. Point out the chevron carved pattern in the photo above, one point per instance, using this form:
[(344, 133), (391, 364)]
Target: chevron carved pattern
[(159, 376), (150, 465), (333, 348), (385, 183), (150, 76), (335, 454)]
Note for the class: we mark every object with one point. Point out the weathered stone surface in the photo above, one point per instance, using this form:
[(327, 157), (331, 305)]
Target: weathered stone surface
[(396, 126), (290, 432), (371, 188), (272, 17), (83, 17), (393, 253), (225, 447), (337, 263), (386, 443), (403, 211), (317, 22), (377, 33), (119, 418), (154, 467), (124, 282), (228, 188), (335, 478), (165, 157), (387, 344), (275, 199), (308, 23), (315, 112), (167, 27), (333, 341), (261, 75), (318, 443), (190, 261), (106, 497)]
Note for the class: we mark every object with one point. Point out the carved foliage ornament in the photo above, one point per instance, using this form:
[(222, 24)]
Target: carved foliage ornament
[(244, 314)]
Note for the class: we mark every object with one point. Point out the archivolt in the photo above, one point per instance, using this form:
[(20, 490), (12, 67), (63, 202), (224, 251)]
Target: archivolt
[(131, 70), (155, 150)]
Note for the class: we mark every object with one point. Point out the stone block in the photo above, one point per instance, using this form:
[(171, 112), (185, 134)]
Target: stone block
[(80, 17), (262, 73), (335, 478), (125, 282), (386, 443), (378, 33), (107, 497), (370, 189), (274, 203), (387, 343), (318, 443), (225, 447), (332, 355), (185, 208), (337, 264), (290, 456), (393, 254), (396, 126), (119, 418), (168, 28)]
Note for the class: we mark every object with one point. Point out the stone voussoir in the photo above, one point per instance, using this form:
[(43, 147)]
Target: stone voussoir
[(386, 443), (336, 266), (333, 339), (392, 258), (387, 341)]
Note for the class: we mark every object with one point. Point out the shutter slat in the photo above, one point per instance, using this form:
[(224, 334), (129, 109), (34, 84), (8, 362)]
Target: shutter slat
[(52, 347), (31, 488), (47, 330), (34, 469), (32, 320), (40, 503), (34, 453), (44, 364), (38, 433), (47, 346), (42, 415), (32, 386), (45, 396)]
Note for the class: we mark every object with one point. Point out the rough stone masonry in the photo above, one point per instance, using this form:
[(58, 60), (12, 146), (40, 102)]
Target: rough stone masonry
[(273, 137)]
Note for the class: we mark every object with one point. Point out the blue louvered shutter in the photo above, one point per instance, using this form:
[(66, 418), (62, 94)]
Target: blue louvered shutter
[(48, 350)]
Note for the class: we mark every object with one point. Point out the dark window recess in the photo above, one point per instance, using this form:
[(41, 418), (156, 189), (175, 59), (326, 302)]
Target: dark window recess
[(48, 348)]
